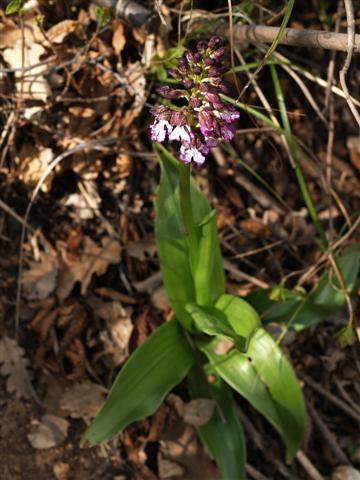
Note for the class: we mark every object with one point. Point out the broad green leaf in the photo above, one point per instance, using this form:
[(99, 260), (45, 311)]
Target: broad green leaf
[(172, 245), (223, 435), (266, 379), (13, 6), (159, 364), (231, 317), (299, 310), (209, 273)]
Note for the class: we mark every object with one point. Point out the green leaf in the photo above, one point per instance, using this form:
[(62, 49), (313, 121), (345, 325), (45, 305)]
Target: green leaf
[(213, 322), (243, 319), (13, 7), (223, 435), (159, 364), (328, 293), (231, 317), (266, 379), (209, 274), (299, 310), (172, 245)]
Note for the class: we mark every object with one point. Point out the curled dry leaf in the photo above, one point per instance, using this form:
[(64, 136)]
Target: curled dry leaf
[(13, 366), (59, 31), (48, 433), (119, 327), (81, 267), (82, 400)]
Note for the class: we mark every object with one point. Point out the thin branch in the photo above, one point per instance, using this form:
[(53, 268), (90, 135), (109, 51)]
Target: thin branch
[(295, 37), (350, 48)]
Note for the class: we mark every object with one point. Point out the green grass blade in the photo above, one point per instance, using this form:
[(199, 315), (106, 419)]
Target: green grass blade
[(293, 153)]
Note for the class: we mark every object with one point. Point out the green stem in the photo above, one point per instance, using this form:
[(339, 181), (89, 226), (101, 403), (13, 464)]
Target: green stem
[(187, 211)]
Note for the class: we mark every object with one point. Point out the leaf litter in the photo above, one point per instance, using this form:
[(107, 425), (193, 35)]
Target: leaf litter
[(93, 87)]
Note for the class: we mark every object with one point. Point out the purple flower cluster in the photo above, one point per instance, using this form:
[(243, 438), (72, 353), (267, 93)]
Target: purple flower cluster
[(205, 120)]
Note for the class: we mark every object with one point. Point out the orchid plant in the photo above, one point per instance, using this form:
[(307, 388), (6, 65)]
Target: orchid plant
[(216, 340)]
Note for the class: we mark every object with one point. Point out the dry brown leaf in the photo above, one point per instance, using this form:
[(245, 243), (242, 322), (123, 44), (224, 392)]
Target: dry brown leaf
[(118, 40), (184, 450), (159, 299), (33, 87), (120, 328), (32, 164), (199, 411), (82, 400), (255, 228), (13, 366), (81, 267), (48, 433), (59, 31), (141, 249), (39, 281)]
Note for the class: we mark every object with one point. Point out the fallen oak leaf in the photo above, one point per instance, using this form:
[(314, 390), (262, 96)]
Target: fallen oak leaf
[(81, 266), (14, 367)]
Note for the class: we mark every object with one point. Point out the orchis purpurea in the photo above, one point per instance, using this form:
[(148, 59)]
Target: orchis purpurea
[(205, 120)]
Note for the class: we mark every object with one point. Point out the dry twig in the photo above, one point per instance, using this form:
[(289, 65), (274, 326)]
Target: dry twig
[(351, 46)]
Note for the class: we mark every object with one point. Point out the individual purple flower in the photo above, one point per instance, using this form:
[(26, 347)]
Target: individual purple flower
[(229, 115), (203, 120), (181, 134), (159, 130), (228, 132), (188, 154)]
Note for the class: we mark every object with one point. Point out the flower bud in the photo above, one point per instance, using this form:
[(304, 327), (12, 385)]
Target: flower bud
[(175, 73), (214, 42), (168, 92), (204, 87), (208, 61), (201, 46), (188, 83), (212, 97), (190, 56), (197, 70), (178, 119), (194, 102), (219, 52), (213, 72)]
